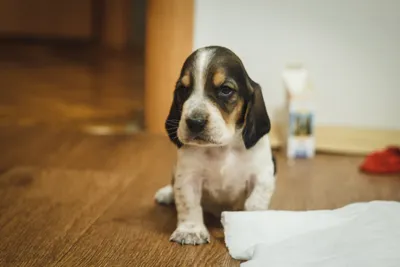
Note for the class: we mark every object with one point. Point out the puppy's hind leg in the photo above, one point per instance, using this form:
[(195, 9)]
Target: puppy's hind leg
[(165, 195)]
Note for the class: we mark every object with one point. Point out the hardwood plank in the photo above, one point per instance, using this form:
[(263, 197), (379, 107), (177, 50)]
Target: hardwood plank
[(328, 182), (65, 148), (43, 212), (135, 231), (54, 184)]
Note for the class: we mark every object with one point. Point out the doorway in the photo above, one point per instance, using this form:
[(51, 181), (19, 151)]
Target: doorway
[(76, 63), (99, 65)]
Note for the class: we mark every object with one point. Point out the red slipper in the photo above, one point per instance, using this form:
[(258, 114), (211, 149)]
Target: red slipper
[(385, 161)]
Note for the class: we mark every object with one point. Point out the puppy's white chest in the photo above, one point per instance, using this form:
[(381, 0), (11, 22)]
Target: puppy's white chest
[(226, 175), (227, 167)]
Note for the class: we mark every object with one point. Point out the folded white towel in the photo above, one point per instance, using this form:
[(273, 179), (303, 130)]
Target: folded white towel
[(360, 234)]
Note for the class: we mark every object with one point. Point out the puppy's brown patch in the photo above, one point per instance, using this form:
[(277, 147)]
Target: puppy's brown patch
[(185, 80), (233, 117), (219, 77), (238, 110)]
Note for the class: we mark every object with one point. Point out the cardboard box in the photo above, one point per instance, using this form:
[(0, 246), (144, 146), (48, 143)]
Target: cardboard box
[(300, 141)]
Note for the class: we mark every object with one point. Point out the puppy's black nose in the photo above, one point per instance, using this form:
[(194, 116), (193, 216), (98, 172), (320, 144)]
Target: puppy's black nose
[(196, 125)]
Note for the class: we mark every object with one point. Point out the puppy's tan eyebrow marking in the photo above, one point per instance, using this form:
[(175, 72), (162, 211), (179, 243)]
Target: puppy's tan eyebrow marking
[(219, 78), (185, 80)]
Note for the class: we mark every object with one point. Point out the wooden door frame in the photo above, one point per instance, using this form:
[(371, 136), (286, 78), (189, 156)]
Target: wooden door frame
[(169, 40)]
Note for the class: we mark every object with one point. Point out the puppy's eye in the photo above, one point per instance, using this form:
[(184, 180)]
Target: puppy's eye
[(225, 91)]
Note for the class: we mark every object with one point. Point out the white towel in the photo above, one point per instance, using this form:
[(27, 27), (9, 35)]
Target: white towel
[(360, 234)]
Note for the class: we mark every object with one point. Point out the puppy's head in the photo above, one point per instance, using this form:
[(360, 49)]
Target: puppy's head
[(215, 101)]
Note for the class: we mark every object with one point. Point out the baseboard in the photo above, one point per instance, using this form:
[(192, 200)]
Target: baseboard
[(344, 140)]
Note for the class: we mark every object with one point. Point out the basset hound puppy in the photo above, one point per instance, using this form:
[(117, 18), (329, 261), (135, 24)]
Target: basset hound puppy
[(220, 125)]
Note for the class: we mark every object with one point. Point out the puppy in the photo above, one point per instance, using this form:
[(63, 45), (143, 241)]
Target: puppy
[(220, 125)]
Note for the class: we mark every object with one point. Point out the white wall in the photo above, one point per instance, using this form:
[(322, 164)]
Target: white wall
[(351, 47)]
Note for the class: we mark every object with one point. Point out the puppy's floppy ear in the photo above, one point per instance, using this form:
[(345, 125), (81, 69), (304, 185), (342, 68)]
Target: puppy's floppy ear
[(257, 122), (172, 121)]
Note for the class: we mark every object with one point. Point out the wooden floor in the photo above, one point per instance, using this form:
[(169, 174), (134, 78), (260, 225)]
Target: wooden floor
[(72, 199)]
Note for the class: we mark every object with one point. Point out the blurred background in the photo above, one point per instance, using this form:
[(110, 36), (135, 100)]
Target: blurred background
[(76, 63), (86, 86), (110, 66)]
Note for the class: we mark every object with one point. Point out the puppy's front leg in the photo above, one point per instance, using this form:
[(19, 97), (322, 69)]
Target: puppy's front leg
[(190, 229), (262, 187)]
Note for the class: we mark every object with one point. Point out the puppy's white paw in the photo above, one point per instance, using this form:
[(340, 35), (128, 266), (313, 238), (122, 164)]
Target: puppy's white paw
[(190, 234), (165, 195)]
